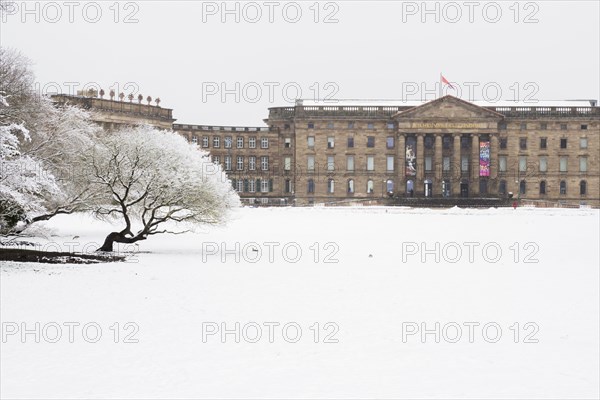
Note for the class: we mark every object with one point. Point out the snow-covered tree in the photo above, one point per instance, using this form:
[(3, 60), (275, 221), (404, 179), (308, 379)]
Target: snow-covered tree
[(155, 182), (41, 149)]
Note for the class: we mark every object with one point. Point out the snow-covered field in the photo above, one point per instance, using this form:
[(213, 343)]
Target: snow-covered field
[(340, 305)]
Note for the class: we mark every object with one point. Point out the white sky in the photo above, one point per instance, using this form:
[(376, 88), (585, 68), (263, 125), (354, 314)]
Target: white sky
[(370, 53)]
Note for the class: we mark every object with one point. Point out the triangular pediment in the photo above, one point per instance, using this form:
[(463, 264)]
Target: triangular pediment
[(448, 108)]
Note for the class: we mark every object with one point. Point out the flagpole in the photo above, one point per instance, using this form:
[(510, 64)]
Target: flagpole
[(441, 85)]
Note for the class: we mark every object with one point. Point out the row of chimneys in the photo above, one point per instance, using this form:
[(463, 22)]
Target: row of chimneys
[(94, 93)]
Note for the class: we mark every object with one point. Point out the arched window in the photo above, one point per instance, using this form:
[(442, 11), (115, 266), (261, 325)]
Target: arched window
[(427, 188), (330, 186), (582, 187), (543, 187), (522, 187), (563, 187), (370, 186), (502, 187), (311, 186), (350, 185), (390, 185)]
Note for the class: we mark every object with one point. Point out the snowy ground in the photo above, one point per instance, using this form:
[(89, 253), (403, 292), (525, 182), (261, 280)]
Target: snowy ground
[(368, 288)]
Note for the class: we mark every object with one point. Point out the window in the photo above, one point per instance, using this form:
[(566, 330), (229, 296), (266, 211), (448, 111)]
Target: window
[(311, 186), (216, 159), (447, 142), (287, 186), (350, 163), (370, 125), (543, 126), (330, 163), (428, 163), (389, 142), (194, 139), (583, 164), (240, 163), (582, 187), (563, 164), (286, 126), (350, 186), (543, 187), (251, 185), (240, 185), (390, 163), (429, 142), (264, 186), (330, 125), (502, 187), (227, 163), (264, 143), (311, 125), (446, 163), (502, 163), (252, 163), (543, 143), (522, 187), (205, 140), (502, 126), (252, 142), (465, 142), (523, 143), (464, 163), (563, 127), (350, 142), (228, 142), (389, 185), (370, 141), (330, 142), (287, 143), (311, 142), (390, 125), (583, 143), (503, 143), (264, 163), (543, 164), (330, 186), (240, 142), (370, 186), (522, 164), (287, 163), (350, 125), (370, 163), (216, 142), (310, 163), (523, 126), (584, 127), (563, 187), (563, 143)]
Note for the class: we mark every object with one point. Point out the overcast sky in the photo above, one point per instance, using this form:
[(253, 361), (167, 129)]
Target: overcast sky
[(185, 53)]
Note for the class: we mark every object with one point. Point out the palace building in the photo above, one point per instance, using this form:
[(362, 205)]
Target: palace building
[(447, 149)]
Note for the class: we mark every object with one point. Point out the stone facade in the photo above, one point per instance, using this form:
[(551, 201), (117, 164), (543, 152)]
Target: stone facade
[(321, 154)]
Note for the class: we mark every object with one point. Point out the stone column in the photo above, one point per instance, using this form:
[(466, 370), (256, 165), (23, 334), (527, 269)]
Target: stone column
[(438, 159), (474, 184), (419, 185), (456, 167), (401, 151), (493, 156)]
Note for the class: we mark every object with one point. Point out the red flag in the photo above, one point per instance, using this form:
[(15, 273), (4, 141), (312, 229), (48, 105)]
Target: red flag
[(444, 80)]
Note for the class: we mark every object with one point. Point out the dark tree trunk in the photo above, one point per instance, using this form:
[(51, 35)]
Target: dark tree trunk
[(118, 237)]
